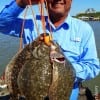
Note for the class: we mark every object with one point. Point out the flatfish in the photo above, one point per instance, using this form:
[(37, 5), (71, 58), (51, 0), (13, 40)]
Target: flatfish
[(40, 73)]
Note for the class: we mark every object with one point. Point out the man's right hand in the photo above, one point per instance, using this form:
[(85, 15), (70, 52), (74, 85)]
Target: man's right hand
[(23, 3)]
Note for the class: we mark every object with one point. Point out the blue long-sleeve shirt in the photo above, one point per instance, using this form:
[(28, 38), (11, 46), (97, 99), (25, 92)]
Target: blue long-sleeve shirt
[(75, 37)]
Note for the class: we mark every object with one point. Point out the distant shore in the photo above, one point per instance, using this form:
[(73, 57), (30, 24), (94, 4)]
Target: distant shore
[(89, 19), (89, 16)]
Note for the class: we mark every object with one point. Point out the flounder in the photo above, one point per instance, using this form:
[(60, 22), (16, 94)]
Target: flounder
[(40, 73)]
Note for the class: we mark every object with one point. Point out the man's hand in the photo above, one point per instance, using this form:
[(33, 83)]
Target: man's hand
[(23, 3)]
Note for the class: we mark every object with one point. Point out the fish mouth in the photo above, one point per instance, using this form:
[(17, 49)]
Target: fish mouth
[(59, 60), (57, 57)]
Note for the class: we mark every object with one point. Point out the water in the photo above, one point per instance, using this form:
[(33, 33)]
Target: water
[(94, 84), (96, 27), (8, 48), (10, 45)]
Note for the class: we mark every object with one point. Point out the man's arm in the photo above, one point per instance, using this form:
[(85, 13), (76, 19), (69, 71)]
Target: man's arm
[(88, 66), (10, 24)]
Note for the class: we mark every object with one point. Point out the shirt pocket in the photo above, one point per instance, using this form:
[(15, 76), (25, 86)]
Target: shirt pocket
[(72, 48), (76, 46)]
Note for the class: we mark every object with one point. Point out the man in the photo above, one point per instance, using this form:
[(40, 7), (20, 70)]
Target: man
[(75, 37)]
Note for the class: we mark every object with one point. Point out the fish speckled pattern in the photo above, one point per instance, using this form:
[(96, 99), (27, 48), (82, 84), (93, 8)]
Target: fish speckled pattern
[(36, 76), (33, 74)]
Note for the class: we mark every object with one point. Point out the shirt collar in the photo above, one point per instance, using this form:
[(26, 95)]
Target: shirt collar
[(65, 24), (68, 20)]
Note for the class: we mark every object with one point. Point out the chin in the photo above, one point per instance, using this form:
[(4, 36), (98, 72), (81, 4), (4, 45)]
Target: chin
[(59, 14), (58, 10)]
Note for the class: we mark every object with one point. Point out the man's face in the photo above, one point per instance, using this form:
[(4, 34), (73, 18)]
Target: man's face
[(61, 7)]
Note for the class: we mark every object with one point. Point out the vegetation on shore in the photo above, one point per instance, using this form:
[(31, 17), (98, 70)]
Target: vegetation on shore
[(89, 16), (96, 14)]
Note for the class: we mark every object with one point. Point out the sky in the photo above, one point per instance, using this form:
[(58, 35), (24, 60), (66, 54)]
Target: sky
[(78, 6)]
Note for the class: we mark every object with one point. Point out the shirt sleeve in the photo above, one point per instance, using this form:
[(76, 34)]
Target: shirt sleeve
[(88, 66), (10, 24)]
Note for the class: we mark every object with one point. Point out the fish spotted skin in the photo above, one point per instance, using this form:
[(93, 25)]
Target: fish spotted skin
[(13, 69), (36, 75), (63, 80), (32, 74)]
